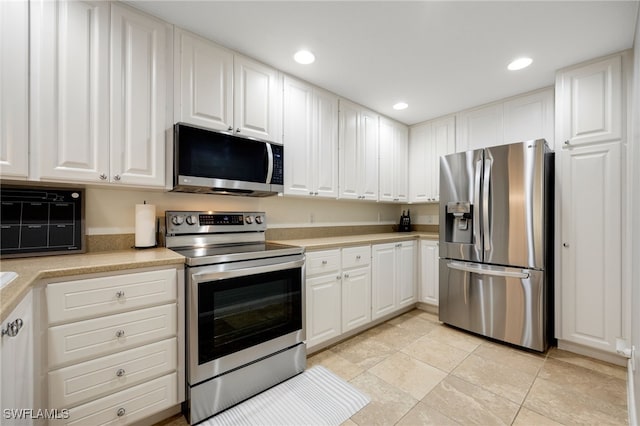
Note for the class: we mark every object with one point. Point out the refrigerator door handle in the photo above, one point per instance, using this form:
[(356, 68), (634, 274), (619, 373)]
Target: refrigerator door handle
[(485, 205), (466, 267), (476, 210)]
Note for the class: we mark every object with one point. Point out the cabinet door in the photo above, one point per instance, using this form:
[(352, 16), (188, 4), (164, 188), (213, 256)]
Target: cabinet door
[(14, 86), (591, 252), (429, 272), (419, 158), (356, 298), (443, 143), (323, 308), (257, 100), (70, 90), (325, 136), (401, 163), (17, 364), (406, 278), (589, 102), (368, 153), (138, 88), (480, 128), (383, 280), (203, 82), (298, 137), (348, 140), (387, 160), (529, 117)]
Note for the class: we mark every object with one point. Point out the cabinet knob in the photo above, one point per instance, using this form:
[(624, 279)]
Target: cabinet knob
[(399, 245), (324, 262), (565, 245), (238, 130), (120, 294), (120, 372), (121, 412), (13, 328), (310, 192), (567, 142), (358, 257), (116, 178), (120, 333), (338, 277), (103, 176), (230, 128), (315, 193)]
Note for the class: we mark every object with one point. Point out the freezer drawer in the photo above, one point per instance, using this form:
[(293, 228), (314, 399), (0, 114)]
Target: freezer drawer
[(507, 304)]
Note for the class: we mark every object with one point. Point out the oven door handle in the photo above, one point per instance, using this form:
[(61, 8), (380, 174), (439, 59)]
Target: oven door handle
[(205, 276)]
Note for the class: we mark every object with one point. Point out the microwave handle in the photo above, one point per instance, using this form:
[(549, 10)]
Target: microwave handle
[(269, 162)]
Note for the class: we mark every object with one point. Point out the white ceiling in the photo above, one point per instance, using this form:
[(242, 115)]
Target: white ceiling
[(438, 56)]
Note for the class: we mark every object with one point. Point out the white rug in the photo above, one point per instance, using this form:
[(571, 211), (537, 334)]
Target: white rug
[(315, 397)]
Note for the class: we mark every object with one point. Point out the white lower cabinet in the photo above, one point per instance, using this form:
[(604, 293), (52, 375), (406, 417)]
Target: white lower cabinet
[(323, 307), (429, 272), (356, 287), (17, 363), (114, 347), (393, 269)]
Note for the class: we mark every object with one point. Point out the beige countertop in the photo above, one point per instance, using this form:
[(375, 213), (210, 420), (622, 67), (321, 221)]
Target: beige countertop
[(32, 269), (313, 244)]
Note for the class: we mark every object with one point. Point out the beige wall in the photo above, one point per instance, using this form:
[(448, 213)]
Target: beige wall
[(423, 214)]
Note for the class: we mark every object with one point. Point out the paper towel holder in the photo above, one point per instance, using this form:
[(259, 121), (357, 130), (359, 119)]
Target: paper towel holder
[(146, 227)]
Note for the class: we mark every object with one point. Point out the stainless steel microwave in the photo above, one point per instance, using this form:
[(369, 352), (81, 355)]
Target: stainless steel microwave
[(213, 162)]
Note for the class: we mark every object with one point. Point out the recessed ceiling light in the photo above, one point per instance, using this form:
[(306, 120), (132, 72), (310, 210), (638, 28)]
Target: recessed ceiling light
[(304, 57), (400, 106), (519, 63)]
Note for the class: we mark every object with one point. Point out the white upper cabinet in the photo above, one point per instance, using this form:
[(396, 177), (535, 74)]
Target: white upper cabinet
[(358, 139), (311, 137), (220, 90), (427, 143), (394, 159), (139, 68), (589, 102), (517, 119), (14, 86), (70, 90), (203, 82), (98, 93), (530, 117)]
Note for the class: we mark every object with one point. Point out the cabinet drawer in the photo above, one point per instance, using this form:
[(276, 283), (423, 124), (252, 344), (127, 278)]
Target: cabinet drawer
[(101, 336), (321, 262), (353, 257), (80, 382), (86, 298), (127, 406)]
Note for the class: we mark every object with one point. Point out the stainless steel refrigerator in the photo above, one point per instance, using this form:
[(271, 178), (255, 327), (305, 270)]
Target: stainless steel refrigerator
[(496, 242)]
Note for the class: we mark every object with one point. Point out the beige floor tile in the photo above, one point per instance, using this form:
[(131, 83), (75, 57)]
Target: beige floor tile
[(469, 404), (426, 315), (586, 381), (456, 338), (511, 357), (590, 363), (349, 422), (496, 377), (408, 374), (435, 353), (413, 323), (363, 351), (388, 403), (422, 415), (570, 406), (392, 336), (527, 417), (334, 362)]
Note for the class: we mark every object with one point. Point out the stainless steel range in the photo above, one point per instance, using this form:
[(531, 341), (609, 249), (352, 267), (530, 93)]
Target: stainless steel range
[(245, 307)]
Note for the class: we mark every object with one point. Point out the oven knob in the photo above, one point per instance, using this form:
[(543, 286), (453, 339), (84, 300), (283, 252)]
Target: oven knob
[(177, 220), (192, 220), (249, 220), (258, 220)]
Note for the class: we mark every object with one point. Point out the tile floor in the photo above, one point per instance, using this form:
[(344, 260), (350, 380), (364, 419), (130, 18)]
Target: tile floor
[(418, 371)]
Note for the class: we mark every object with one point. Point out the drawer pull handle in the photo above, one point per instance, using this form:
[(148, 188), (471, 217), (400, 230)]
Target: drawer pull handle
[(121, 412), (120, 372), (324, 262), (120, 294), (120, 333)]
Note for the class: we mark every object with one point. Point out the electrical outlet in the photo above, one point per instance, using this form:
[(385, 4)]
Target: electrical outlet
[(312, 218)]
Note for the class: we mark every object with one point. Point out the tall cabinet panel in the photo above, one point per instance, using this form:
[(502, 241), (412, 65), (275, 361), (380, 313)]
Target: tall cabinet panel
[(14, 86), (70, 90), (204, 82), (325, 133), (529, 117), (394, 159), (138, 96), (480, 128)]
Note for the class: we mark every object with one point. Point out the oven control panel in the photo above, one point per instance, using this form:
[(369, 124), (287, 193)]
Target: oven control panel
[(209, 222)]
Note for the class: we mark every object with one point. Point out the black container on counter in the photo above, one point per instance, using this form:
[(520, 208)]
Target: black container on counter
[(405, 222)]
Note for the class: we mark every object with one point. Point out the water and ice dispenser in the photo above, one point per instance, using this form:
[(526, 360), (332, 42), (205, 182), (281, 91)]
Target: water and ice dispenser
[(459, 222)]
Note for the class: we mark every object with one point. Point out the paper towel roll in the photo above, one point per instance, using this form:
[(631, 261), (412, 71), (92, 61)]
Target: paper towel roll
[(145, 225)]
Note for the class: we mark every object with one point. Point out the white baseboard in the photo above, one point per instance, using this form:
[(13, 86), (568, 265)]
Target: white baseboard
[(593, 353), (631, 400)]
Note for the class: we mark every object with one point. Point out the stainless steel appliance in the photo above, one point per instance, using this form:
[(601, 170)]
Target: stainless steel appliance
[(496, 234), (207, 161), (39, 221), (245, 307)]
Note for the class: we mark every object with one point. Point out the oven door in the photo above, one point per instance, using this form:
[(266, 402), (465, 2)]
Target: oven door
[(241, 312)]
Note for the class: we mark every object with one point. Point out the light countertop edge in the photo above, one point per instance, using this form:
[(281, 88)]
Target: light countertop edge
[(315, 244), (31, 270)]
